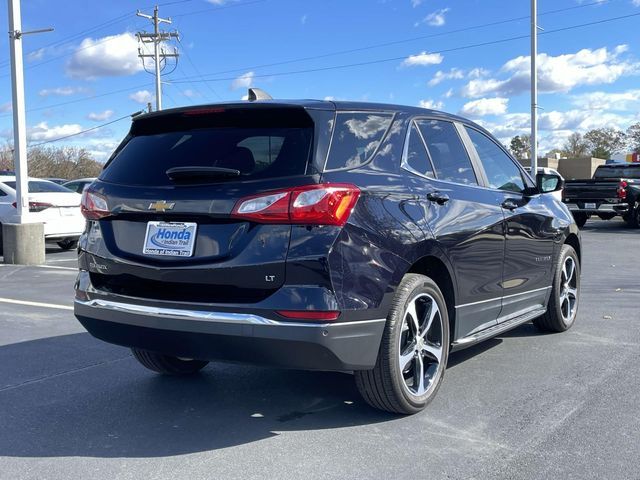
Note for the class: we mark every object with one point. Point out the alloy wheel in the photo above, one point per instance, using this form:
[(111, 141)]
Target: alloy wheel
[(420, 345), (568, 290)]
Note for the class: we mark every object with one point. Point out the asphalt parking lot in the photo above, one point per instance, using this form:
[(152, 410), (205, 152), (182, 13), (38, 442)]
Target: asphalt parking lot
[(523, 405)]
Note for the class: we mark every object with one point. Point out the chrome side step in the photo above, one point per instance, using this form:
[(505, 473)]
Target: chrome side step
[(495, 330)]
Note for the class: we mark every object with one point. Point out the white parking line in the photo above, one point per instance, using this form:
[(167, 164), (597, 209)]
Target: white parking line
[(35, 304), (55, 267)]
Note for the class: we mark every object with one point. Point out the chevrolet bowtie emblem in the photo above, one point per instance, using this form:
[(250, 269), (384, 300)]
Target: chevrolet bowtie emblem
[(161, 206)]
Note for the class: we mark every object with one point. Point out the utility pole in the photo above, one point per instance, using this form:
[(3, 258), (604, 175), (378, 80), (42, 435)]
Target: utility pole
[(534, 88), (23, 241), (159, 54)]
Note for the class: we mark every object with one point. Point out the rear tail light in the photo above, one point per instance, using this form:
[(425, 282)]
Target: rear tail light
[(324, 204), (93, 205), (622, 190), (328, 316), (35, 207)]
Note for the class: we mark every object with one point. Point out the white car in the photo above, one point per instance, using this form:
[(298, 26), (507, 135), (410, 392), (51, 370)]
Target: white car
[(54, 205), (548, 171)]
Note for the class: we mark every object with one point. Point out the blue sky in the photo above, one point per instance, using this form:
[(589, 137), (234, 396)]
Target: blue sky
[(87, 73)]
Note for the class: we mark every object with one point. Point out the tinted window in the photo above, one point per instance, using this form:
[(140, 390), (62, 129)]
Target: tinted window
[(416, 154), (255, 152), (502, 173), (356, 137), (618, 172), (447, 152), (40, 186)]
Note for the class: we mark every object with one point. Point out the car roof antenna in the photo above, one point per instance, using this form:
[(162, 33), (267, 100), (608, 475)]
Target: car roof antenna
[(258, 94)]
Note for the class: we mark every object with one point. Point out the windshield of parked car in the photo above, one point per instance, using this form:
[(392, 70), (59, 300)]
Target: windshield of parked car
[(40, 186)]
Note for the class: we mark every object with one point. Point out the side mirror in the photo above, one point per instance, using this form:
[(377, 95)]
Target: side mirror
[(548, 183)]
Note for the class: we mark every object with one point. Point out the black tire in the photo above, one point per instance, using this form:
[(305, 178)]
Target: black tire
[(556, 318), (580, 218), (385, 386), (633, 218), (67, 244), (166, 364)]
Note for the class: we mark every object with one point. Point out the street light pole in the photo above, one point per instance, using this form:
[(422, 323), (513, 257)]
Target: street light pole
[(534, 88), (19, 115)]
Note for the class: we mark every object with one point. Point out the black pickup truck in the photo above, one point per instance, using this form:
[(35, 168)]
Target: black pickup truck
[(613, 191)]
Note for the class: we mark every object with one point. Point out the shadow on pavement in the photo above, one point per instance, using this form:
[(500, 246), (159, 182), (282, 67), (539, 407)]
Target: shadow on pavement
[(73, 396)]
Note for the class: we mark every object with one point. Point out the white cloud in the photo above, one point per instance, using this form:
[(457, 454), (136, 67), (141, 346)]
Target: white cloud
[(61, 91), (190, 93), (42, 131), (449, 93), (111, 56), (35, 55), (478, 72), (558, 74), (436, 19), (303, 19), (243, 81), (616, 101), (142, 96), (431, 104), (422, 59), (5, 107), (416, 3), (440, 76), (636, 3), (485, 106), (100, 116), (100, 150)]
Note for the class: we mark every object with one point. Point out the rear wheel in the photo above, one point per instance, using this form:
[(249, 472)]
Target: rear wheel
[(633, 218), (565, 294), (580, 218), (413, 351), (67, 244), (167, 364)]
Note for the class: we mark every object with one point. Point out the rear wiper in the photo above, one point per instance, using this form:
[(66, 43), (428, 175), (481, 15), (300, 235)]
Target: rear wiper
[(178, 173)]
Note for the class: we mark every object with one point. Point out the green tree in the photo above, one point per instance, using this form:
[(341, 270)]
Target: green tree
[(575, 146), (633, 137), (520, 146), (605, 142)]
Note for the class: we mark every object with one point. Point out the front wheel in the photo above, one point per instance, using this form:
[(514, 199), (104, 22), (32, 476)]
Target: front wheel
[(67, 244), (413, 351), (167, 364), (633, 218), (565, 294)]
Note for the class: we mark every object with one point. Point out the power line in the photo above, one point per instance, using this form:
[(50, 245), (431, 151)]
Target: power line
[(78, 100), (85, 131), (384, 60)]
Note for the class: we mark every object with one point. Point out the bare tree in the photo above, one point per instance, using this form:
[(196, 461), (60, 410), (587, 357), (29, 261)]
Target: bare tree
[(61, 162), (633, 137), (605, 142), (575, 146)]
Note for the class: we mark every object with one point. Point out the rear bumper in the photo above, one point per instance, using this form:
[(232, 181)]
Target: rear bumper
[(233, 336), (615, 208)]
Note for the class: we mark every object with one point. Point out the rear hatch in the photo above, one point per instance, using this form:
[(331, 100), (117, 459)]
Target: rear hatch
[(170, 191)]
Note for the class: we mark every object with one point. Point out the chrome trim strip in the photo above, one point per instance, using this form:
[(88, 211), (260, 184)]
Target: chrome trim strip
[(503, 297), (205, 316)]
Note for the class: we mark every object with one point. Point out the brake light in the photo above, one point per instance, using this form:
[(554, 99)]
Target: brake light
[(622, 190), (328, 316), (93, 205), (35, 207), (324, 204)]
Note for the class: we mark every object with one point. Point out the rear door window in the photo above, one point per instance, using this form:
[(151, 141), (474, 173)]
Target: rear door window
[(255, 143), (448, 155), (416, 159), (356, 137)]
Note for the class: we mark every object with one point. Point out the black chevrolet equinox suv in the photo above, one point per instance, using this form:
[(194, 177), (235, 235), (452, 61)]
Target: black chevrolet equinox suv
[(358, 237)]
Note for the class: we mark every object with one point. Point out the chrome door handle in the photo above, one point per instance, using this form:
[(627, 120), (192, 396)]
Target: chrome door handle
[(509, 204), (438, 197)]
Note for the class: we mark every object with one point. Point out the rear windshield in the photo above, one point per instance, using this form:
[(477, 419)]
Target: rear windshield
[(40, 186), (257, 145), (631, 171)]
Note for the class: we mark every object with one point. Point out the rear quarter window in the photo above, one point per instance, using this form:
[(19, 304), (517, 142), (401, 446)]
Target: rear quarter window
[(356, 137)]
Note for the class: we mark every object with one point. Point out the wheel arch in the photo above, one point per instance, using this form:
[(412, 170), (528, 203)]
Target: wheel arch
[(436, 269), (573, 240)]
